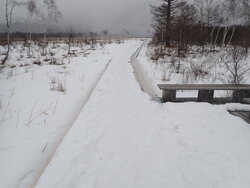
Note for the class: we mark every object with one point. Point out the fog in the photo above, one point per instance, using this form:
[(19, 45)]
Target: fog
[(97, 15)]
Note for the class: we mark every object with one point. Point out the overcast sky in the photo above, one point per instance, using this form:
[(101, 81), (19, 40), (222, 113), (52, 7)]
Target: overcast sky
[(97, 15)]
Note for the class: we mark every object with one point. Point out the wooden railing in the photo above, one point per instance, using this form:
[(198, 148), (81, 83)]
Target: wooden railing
[(205, 91)]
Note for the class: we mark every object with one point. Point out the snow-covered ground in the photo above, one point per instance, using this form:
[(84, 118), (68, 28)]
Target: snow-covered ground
[(39, 104), (120, 137)]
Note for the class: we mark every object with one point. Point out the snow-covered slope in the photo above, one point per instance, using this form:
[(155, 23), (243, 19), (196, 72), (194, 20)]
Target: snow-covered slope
[(124, 139)]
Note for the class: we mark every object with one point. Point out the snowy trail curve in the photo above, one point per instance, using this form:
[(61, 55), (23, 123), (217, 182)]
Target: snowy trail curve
[(141, 76), (123, 139), (82, 107)]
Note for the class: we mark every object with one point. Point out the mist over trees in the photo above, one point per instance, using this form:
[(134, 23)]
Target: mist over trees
[(36, 11), (202, 22)]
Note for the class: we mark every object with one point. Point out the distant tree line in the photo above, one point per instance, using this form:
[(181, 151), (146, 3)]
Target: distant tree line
[(203, 22), (21, 36)]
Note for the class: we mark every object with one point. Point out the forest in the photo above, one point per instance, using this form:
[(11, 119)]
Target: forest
[(202, 22)]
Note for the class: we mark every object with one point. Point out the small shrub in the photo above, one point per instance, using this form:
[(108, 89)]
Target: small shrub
[(187, 78), (236, 65), (198, 69), (53, 80), (38, 61), (156, 55), (57, 85), (60, 87), (165, 73), (52, 61)]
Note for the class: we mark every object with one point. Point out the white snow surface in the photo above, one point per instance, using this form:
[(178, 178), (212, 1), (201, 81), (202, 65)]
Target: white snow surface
[(123, 139), (36, 119)]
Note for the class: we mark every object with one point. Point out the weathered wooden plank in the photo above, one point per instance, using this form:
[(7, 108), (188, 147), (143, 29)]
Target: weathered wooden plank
[(204, 87)]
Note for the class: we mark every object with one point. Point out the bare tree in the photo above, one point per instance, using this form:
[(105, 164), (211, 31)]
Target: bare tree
[(105, 33), (70, 39), (236, 65), (93, 37), (231, 11), (246, 11), (199, 4), (246, 16), (52, 15), (33, 16), (212, 19), (10, 5)]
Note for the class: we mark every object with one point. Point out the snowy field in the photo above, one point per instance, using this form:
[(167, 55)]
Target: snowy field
[(104, 131), (39, 104)]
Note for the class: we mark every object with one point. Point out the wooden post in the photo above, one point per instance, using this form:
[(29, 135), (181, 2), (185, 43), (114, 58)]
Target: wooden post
[(169, 96), (205, 96), (238, 95)]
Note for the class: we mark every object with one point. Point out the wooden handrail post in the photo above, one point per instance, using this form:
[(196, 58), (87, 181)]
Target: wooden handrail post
[(169, 96), (206, 96)]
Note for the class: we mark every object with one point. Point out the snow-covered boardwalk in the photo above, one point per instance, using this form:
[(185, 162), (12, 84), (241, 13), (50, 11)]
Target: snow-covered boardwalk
[(123, 139)]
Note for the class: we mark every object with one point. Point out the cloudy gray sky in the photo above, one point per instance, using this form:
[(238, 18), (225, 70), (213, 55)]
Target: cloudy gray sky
[(97, 15)]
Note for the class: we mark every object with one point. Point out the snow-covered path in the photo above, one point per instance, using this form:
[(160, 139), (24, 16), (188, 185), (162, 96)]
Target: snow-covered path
[(123, 139)]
